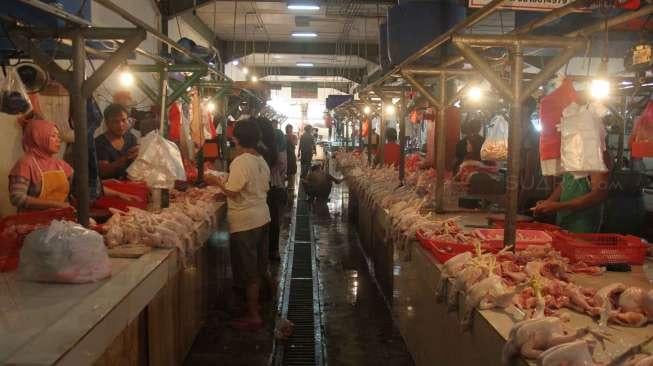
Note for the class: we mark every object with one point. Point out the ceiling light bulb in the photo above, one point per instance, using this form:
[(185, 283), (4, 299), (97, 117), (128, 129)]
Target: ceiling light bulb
[(475, 93), (254, 78), (126, 78), (210, 106), (600, 89), (235, 62), (390, 109), (367, 110), (245, 70), (304, 34), (304, 64)]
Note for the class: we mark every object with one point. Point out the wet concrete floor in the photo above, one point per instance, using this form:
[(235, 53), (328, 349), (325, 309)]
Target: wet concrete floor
[(358, 328)]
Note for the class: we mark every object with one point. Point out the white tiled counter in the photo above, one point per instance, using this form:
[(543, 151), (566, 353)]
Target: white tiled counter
[(433, 333), (149, 310)]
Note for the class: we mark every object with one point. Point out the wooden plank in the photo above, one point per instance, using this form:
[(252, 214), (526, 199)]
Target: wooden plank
[(129, 251), (161, 327), (127, 348)]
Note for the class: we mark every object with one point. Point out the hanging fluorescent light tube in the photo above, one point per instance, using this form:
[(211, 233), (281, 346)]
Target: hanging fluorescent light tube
[(303, 6), (304, 34), (304, 64)]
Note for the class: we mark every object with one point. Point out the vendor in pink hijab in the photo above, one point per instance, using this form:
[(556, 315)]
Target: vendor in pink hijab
[(39, 180)]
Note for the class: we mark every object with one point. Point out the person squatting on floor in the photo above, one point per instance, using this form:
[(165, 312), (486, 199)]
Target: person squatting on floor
[(318, 184)]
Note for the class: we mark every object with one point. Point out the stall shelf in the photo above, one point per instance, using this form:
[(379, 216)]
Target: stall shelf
[(432, 332), (149, 310)]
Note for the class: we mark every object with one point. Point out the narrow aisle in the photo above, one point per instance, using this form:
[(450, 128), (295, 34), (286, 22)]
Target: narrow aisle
[(357, 323), (217, 343)]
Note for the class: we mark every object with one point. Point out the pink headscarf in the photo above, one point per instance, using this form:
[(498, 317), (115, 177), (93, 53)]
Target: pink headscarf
[(36, 138)]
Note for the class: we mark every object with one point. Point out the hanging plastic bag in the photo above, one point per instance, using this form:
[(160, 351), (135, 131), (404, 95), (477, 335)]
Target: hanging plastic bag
[(495, 146), (551, 107), (641, 140), (583, 138), (64, 252), (13, 95), (159, 163)]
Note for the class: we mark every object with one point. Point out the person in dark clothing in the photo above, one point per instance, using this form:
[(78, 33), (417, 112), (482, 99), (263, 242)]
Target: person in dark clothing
[(268, 148), (291, 156), (471, 129), (306, 150), (117, 147), (318, 184)]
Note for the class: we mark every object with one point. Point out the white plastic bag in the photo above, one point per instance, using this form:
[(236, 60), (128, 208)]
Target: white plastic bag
[(13, 95), (159, 163), (64, 252), (551, 167), (583, 138), (495, 146)]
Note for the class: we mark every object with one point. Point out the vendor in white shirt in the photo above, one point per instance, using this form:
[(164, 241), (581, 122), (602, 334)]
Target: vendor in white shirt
[(248, 217)]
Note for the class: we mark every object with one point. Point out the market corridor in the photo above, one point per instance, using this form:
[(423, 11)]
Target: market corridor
[(357, 326)]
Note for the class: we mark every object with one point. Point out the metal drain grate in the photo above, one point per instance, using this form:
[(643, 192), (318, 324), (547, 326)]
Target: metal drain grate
[(300, 303)]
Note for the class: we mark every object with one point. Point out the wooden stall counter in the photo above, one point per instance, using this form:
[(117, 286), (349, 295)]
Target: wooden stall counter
[(147, 312)]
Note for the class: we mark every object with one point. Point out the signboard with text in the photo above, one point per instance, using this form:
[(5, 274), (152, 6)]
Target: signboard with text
[(527, 5), (303, 90)]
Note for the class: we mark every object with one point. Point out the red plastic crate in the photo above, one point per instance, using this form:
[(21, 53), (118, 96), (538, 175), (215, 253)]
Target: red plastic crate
[(500, 224), (599, 249), (442, 251), (14, 229), (493, 238)]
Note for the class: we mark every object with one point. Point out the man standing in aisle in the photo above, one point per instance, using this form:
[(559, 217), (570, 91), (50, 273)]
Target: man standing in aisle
[(306, 150)]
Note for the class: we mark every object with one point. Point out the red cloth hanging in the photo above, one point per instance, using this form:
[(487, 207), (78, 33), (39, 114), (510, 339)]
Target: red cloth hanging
[(628, 4), (328, 121), (551, 107), (414, 117), (212, 131), (366, 128), (230, 129), (641, 140), (174, 122)]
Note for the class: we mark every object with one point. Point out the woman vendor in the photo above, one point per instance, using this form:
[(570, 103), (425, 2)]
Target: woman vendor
[(117, 147), (39, 180), (577, 202)]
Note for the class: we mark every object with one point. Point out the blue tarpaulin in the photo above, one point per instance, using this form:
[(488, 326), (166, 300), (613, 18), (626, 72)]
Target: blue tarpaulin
[(335, 100)]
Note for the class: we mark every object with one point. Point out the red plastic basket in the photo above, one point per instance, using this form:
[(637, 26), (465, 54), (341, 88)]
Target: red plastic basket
[(14, 229), (442, 251), (600, 249)]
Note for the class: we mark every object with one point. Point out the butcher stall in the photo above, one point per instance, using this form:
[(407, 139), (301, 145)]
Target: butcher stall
[(459, 297), (150, 307)]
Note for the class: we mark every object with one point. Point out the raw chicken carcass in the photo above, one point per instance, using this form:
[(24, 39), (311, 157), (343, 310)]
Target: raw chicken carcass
[(529, 338), (640, 360), (576, 353)]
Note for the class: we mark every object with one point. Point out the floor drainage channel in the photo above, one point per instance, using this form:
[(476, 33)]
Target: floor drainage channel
[(300, 302)]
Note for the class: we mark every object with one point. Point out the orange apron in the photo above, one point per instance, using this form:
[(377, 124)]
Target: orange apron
[(54, 185)]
